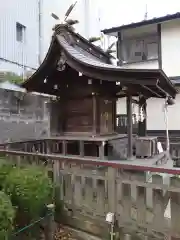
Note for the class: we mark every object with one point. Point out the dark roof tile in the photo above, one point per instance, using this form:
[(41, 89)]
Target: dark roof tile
[(157, 20), (90, 65)]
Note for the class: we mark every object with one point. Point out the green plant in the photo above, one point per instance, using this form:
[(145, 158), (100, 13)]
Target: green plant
[(7, 214), (13, 78), (5, 169), (30, 189)]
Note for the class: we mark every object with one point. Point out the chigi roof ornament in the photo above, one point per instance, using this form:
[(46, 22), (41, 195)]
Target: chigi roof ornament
[(70, 22), (109, 50)]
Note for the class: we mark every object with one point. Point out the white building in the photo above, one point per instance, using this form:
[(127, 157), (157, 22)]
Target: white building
[(25, 32), (19, 34), (152, 44)]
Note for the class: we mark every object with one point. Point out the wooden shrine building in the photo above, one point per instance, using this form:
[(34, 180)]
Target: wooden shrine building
[(87, 85)]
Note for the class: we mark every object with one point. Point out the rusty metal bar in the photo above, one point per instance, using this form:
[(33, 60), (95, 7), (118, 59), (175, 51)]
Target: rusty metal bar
[(94, 161)]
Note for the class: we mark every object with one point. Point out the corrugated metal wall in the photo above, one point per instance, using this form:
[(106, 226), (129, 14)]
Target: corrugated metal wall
[(11, 51), (14, 54)]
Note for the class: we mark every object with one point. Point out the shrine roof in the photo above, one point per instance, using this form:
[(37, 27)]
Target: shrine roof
[(69, 48)]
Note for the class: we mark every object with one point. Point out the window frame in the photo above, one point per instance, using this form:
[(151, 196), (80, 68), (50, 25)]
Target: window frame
[(146, 39), (20, 32)]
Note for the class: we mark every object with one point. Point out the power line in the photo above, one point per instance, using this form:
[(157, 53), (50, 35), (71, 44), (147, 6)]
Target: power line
[(16, 63), (40, 29)]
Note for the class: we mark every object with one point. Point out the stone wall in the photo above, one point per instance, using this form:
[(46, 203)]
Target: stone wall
[(23, 116)]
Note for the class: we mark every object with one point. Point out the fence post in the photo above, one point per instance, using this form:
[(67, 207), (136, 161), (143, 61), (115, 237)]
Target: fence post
[(175, 209), (50, 228), (111, 175)]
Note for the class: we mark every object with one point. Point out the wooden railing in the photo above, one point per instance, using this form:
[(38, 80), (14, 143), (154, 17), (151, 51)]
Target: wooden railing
[(121, 121), (144, 204), (121, 124), (174, 148)]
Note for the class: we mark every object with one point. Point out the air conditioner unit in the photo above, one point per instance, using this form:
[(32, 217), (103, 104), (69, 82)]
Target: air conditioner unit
[(146, 147)]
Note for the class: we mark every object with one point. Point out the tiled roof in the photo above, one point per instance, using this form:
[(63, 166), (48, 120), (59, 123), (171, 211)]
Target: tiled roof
[(89, 62), (157, 20)]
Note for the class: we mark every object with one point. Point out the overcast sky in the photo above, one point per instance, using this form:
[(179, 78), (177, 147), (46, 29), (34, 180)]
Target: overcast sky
[(114, 12), (111, 13), (117, 12)]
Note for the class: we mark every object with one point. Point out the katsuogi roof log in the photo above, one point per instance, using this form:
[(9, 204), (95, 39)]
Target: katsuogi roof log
[(70, 49)]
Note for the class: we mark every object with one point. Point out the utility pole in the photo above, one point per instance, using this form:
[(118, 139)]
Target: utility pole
[(86, 18), (23, 54), (146, 13), (40, 30)]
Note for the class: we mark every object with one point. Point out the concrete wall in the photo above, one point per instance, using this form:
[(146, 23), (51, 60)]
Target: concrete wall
[(155, 113), (147, 65), (170, 38), (170, 47)]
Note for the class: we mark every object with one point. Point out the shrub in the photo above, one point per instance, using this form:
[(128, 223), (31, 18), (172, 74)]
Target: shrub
[(30, 189), (5, 169), (7, 214)]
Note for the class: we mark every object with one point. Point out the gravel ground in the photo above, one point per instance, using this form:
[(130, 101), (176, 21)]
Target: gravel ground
[(63, 234), (67, 233)]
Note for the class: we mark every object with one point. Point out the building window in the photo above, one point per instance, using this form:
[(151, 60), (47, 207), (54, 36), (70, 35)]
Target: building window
[(141, 49), (20, 32)]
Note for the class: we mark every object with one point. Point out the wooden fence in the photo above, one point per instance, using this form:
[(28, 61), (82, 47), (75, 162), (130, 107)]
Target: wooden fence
[(121, 122)]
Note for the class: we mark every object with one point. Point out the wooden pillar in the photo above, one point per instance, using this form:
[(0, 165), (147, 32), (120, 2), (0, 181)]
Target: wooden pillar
[(129, 127), (142, 126), (64, 147), (119, 49), (61, 114), (102, 150), (62, 107), (81, 146), (96, 120), (114, 115)]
